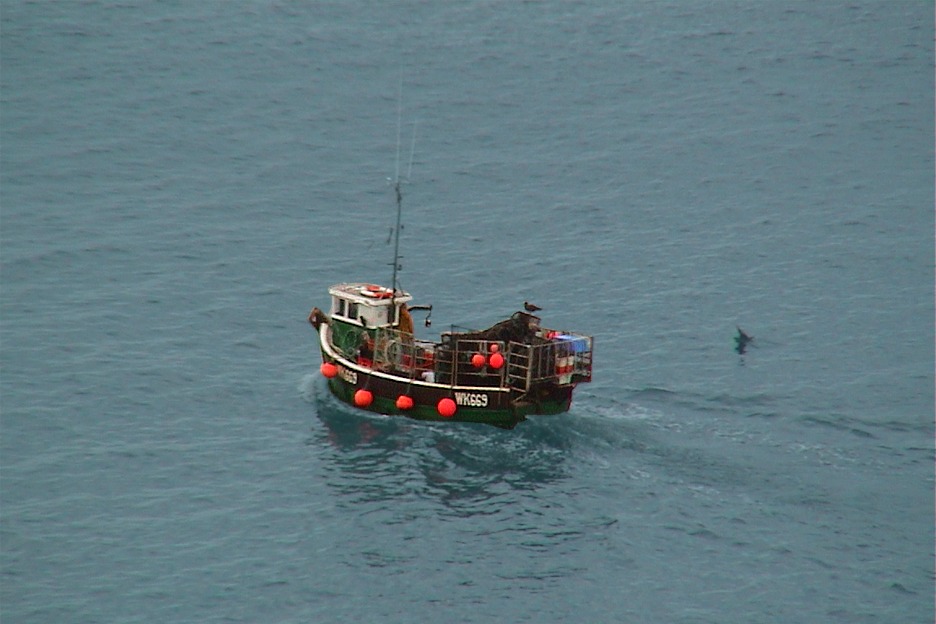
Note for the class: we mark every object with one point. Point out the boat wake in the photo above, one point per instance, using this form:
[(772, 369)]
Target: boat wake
[(307, 387)]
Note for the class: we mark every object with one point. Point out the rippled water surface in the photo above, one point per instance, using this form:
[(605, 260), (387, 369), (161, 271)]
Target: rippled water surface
[(181, 182)]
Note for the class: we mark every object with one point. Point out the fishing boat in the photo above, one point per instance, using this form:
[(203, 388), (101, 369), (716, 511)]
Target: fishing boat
[(373, 360)]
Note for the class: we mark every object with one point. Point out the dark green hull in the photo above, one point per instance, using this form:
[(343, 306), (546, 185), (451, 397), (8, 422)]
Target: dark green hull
[(498, 376), (491, 406)]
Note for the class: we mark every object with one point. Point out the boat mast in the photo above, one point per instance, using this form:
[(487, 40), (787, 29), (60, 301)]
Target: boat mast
[(399, 200), (396, 238), (397, 187)]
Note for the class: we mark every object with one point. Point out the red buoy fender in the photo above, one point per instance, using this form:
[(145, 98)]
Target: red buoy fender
[(404, 402), (328, 370), (446, 407), (363, 398)]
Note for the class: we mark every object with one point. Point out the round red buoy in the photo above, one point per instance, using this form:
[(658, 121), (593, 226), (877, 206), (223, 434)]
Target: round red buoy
[(328, 369), (404, 402), (494, 348), (446, 407), (363, 398), (496, 361), (477, 360)]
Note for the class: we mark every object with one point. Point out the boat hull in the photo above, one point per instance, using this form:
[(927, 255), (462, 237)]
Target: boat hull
[(490, 406), (493, 396), (495, 406)]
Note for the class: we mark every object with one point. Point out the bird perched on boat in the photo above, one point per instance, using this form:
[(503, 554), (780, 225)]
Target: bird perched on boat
[(529, 307), (742, 340)]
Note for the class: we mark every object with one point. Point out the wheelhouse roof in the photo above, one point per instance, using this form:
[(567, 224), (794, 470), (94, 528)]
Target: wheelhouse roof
[(368, 294)]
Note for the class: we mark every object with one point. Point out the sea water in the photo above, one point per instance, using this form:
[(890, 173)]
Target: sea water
[(180, 182)]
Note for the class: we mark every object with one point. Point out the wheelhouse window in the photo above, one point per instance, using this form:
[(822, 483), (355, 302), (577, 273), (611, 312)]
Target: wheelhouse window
[(339, 306), (352, 311)]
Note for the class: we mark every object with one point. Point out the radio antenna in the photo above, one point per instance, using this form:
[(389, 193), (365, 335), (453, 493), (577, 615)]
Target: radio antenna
[(412, 152), (399, 129)]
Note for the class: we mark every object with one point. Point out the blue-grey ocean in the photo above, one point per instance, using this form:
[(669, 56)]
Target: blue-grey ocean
[(182, 181)]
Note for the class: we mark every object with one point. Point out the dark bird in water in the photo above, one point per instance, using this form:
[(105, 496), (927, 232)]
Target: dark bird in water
[(742, 340), (529, 307)]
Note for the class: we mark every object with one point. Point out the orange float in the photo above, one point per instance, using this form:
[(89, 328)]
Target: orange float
[(404, 402), (363, 398), (446, 407)]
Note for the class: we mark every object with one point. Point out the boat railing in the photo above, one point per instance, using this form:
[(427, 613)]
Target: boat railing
[(562, 358), (402, 353), (470, 361)]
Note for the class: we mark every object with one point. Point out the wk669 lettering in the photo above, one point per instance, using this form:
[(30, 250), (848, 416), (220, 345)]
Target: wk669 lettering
[(471, 399)]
